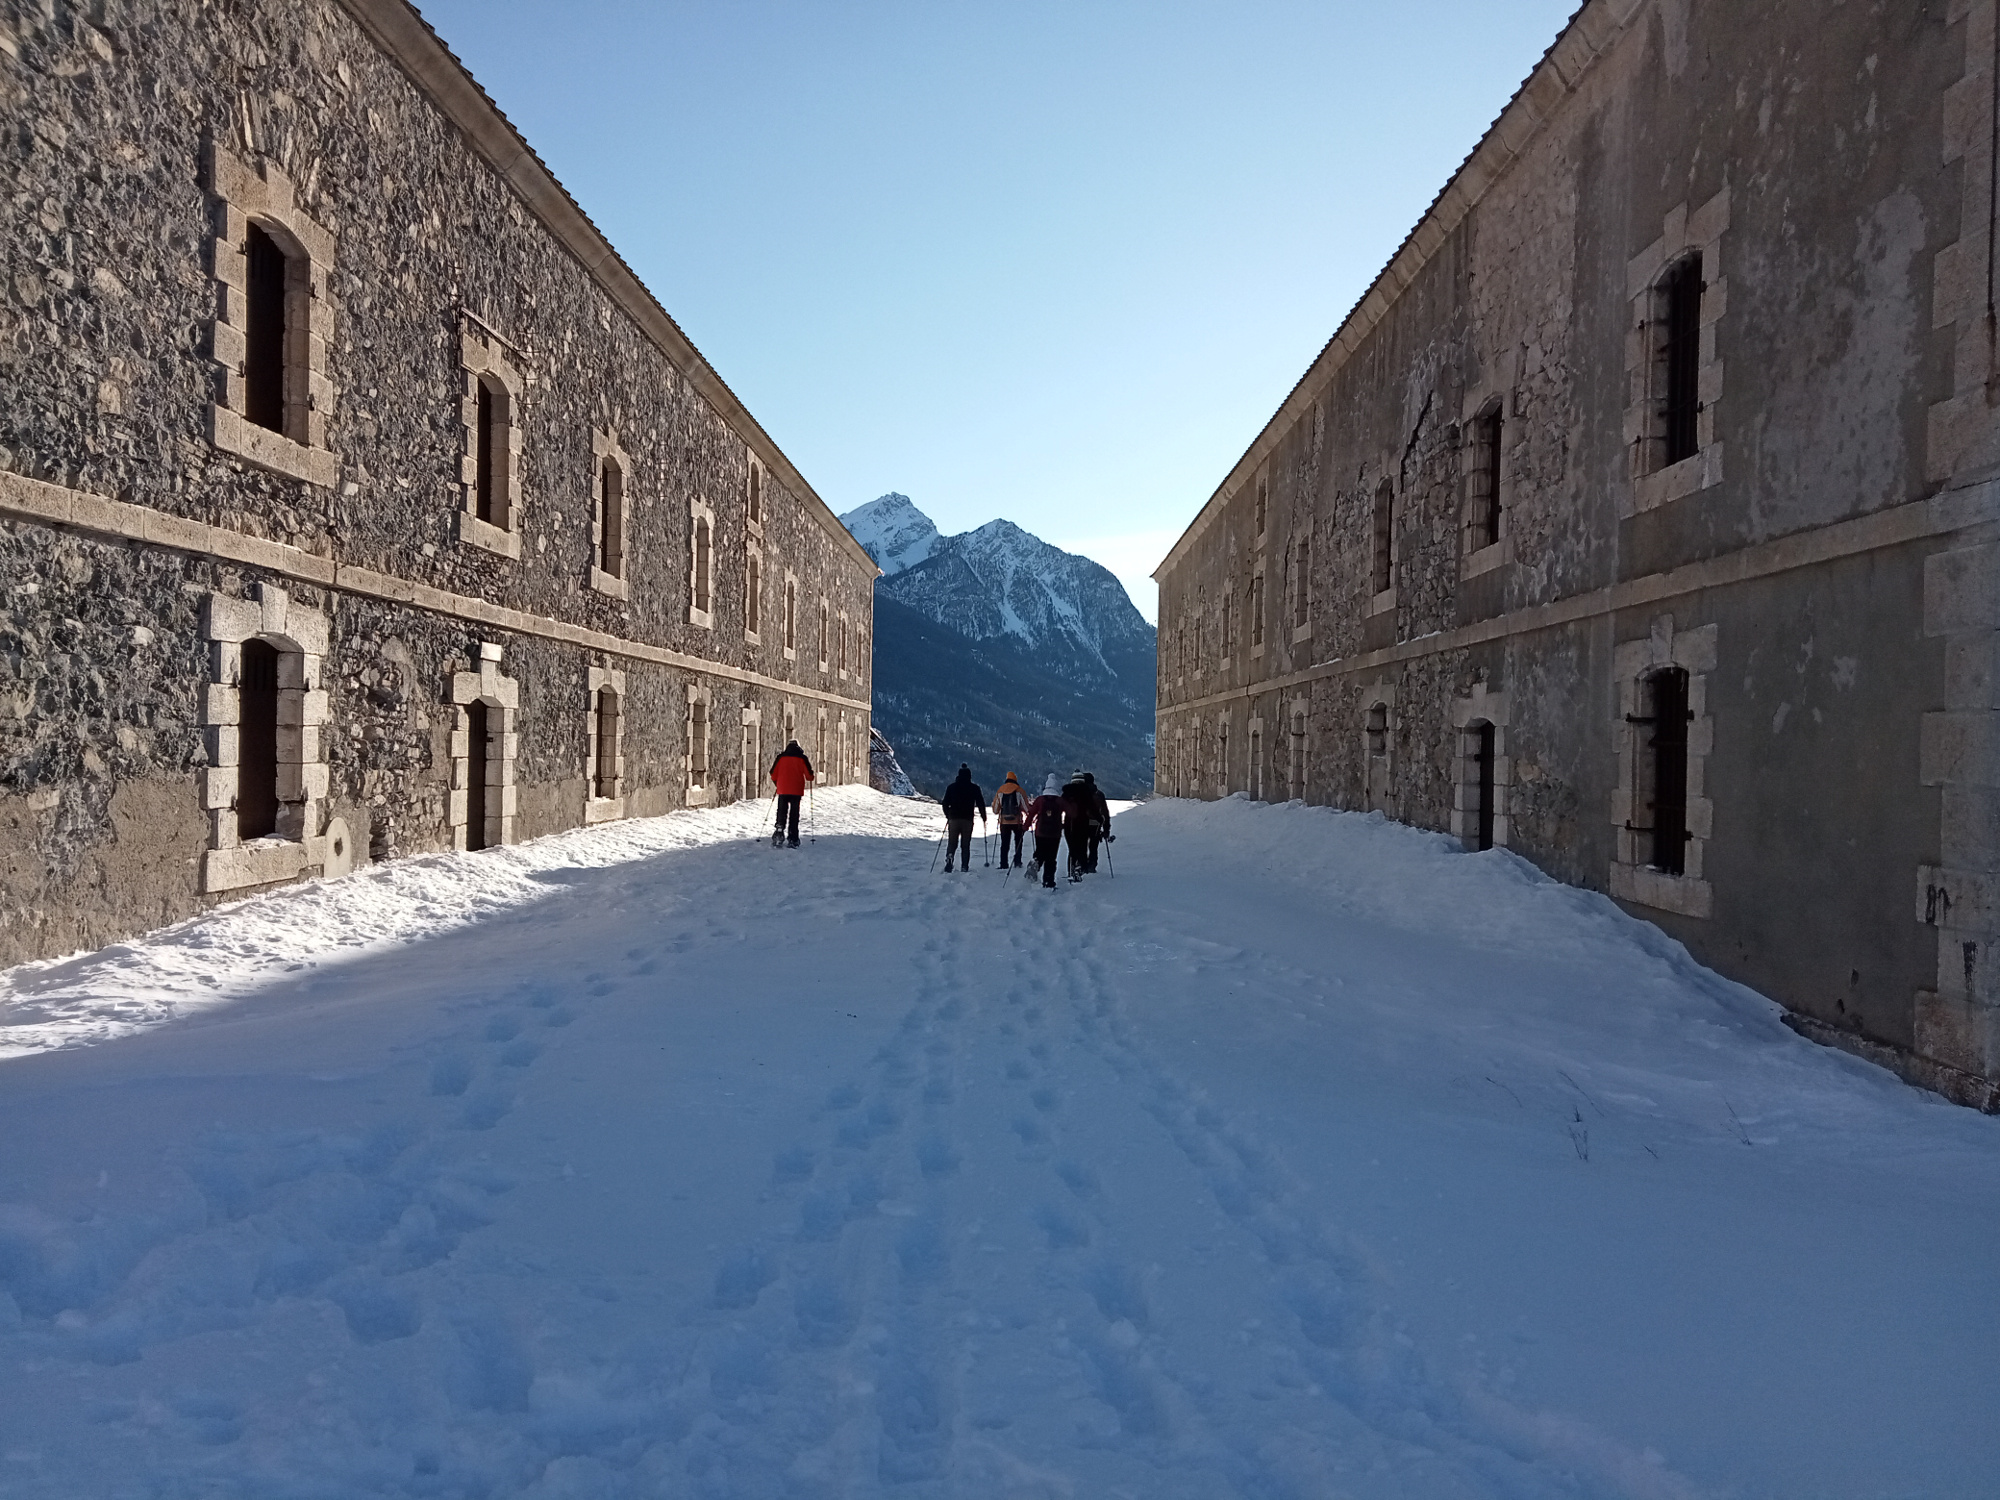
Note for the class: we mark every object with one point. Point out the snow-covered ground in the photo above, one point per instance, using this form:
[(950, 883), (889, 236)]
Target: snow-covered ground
[(1304, 1157)]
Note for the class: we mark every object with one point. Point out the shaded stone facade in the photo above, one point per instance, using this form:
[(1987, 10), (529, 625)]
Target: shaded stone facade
[(1642, 517), (374, 460)]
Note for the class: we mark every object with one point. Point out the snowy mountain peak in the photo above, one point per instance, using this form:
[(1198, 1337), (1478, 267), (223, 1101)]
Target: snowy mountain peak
[(999, 580), (893, 531)]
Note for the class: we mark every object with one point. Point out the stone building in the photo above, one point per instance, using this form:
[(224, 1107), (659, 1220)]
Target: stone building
[(356, 499), (1641, 518)]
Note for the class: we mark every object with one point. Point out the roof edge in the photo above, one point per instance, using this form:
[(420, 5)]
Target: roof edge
[(1589, 32), (409, 41)]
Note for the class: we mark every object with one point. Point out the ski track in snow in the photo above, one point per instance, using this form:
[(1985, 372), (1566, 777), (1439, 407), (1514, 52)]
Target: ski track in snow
[(1017, 1246)]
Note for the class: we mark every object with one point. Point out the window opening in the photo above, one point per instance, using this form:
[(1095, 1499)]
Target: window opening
[(478, 742), (611, 534), (1222, 758), (1486, 439), (1681, 293), (791, 614), (1257, 764), (257, 742), (607, 743), (1263, 503), (1378, 730), (1298, 760), (1665, 767), (698, 743), (756, 501), (1302, 593), (1385, 532), (264, 331), (702, 548), (1484, 741), (1256, 609), (753, 583), (483, 453), (825, 636)]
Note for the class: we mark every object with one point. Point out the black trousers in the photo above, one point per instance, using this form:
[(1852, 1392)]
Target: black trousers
[(1012, 836), (960, 831), (1090, 852), (788, 807), (1045, 856), (1078, 840)]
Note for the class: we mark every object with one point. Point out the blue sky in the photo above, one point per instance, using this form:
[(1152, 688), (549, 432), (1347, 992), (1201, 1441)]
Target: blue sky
[(1053, 262)]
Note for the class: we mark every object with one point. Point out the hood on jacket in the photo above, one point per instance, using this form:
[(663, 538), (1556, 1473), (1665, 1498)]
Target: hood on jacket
[(1053, 786)]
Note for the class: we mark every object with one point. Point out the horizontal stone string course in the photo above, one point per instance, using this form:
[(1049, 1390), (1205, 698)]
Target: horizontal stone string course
[(1941, 515), (35, 500)]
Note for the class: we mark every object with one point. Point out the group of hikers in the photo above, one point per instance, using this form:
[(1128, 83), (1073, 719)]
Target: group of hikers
[(1073, 813)]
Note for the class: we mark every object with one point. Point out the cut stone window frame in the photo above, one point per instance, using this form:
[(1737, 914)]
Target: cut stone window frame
[(264, 195), (698, 728), (1222, 754), (1490, 401), (1481, 707), (483, 361), (701, 565), (502, 697), (299, 846), (754, 498), (1684, 233), (1378, 746), (825, 634), (1254, 783), (1633, 878), (752, 754), (1254, 603), (819, 744), (1260, 515), (610, 512), (791, 622), (841, 641), (1227, 623), (598, 807), (753, 591)]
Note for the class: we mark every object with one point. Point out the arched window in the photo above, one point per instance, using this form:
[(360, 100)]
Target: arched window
[(611, 519), (754, 494), (1664, 770), (753, 583), (257, 742), (604, 775), (1384, 569)]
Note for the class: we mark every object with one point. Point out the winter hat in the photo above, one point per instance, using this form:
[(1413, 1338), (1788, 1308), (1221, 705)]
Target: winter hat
[(1092, 780), (965, 773), (1010, 781), (1053, 786)]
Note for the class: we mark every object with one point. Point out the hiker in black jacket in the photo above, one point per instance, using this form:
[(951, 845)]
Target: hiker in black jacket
[(1100, 828), (1080, 801), (961, 800)]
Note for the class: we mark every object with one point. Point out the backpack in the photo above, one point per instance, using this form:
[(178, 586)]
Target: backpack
[(1048, 821), (1010, 804)]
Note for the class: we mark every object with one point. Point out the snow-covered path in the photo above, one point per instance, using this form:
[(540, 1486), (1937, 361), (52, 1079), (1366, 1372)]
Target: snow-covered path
[(1305, 1157)]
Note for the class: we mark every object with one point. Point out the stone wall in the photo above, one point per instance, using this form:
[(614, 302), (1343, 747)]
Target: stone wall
[(1831, 170), (427, 247)]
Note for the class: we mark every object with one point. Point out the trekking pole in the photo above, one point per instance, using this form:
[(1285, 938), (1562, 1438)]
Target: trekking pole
[(1109, 868), (986, 842), (934, 854)]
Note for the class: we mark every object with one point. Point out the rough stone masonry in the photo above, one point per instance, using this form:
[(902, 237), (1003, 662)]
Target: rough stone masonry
[(1642, 516), (356, 500)]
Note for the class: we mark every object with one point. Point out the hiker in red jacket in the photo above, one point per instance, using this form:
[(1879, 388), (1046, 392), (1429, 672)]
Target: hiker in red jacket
[(789, 773), (1045, 816)]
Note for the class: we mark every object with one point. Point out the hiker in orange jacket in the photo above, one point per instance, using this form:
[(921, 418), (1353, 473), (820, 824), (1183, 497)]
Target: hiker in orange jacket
[(1010, 810), (789, 773)]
